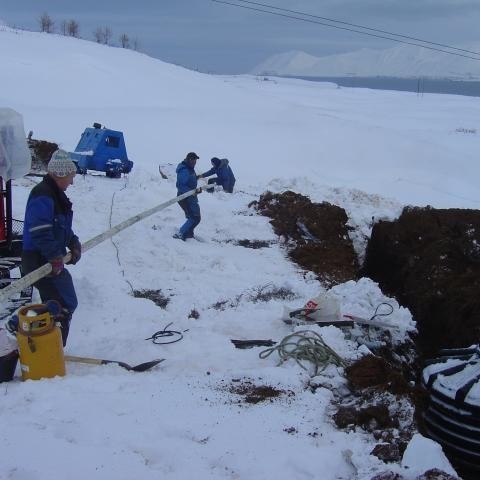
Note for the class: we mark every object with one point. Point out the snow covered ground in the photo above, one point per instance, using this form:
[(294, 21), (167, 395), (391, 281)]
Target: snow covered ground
[(371, 152)]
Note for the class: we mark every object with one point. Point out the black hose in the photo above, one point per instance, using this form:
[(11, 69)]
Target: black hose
[(166, 333)]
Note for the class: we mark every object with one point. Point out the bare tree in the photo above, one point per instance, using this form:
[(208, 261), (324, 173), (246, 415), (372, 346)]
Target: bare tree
[(103, 35), (46, 23), (124, 40), (73, 28), (107, 35), (99, 35), (136, 44), (64, 27)]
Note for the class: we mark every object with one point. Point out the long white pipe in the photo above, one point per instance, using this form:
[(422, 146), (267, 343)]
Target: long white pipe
[(44, 270)]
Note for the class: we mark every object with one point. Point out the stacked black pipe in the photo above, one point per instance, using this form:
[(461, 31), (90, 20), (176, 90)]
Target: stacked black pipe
[(453, 415)]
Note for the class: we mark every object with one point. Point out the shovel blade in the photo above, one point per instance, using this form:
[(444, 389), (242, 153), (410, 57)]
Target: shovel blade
[(142, 367)]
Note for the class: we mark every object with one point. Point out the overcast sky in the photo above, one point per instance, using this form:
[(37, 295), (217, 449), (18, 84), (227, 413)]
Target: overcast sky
[(219, 38)]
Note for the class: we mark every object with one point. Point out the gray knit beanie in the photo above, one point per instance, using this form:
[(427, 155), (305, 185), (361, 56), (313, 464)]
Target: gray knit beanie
[(60, 164)]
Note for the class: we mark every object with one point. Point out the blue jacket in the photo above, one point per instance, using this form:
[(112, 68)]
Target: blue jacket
[(47, 229), (186, 177), (224, 174)]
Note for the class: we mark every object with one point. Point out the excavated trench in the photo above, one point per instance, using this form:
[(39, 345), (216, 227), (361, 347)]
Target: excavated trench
[(429, 260)]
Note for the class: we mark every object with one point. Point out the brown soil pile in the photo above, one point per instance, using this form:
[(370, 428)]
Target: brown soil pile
[(317, 235), (156, 296), (430, 261), (41, 152), (370, 418), (382, 403), (372, 371), (433, 474), (252, 393)]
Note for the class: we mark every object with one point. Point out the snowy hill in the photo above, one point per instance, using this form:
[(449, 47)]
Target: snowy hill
[(370, 152), (166, 111), (398, 61)]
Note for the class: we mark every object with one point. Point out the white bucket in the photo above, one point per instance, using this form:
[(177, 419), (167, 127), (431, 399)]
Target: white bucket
[(323, 308)]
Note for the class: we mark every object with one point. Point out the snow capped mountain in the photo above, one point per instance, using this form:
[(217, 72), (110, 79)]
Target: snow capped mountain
[(398, 61)]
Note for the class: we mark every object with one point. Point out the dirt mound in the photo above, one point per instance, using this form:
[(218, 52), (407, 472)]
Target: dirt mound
[(372, 371), (316, 235), (156, 296), (433, 474), (252, 393), (430, 261), (41, 152), (383, 403), (370, 418)]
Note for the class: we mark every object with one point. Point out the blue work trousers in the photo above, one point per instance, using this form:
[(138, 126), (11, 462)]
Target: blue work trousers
[(59, 288), (192, 213)]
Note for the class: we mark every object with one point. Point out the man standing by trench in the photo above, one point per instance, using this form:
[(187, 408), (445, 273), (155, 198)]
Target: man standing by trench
[(47, 233), (187, 180)]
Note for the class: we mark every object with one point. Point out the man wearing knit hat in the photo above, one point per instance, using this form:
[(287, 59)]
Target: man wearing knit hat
[(47, 233)]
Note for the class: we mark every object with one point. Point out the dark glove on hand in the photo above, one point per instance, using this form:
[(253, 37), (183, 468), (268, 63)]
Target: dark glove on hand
[(57, 266), (198, 190), (75, 251), (199, 176)]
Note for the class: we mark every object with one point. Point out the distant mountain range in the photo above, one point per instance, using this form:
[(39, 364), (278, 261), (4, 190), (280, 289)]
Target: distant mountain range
[(399, 61)]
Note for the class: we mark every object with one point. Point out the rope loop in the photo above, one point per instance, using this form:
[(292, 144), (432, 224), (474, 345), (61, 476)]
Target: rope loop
[(305, 345)]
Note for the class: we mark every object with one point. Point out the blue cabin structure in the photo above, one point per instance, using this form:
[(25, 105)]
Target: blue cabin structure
[(103, 150)]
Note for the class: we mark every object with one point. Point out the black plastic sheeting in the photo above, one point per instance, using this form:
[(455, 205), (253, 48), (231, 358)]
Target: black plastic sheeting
[(453, 415)]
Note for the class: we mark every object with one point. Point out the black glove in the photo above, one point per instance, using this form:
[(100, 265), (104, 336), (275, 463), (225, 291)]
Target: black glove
[(75, 250), (199, 190)]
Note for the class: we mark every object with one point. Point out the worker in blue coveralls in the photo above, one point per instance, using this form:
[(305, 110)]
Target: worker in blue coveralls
[(47, 233), (187, 180), (223, 172)]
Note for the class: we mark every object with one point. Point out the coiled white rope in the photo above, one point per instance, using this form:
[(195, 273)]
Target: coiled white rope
[(305, 345)]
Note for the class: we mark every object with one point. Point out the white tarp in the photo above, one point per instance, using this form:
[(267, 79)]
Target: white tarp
[(15, 159)]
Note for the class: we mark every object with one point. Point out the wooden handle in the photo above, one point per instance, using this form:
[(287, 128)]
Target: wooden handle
[(92, 361)]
